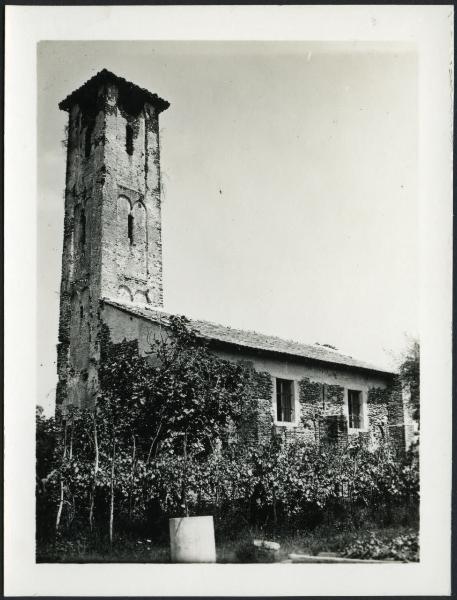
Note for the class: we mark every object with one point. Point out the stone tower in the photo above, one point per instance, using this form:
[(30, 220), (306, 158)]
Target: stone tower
[(112, 226)]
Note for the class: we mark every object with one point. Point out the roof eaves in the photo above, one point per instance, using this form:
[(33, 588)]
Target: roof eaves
[(105, 76), (218, 341), (301, 357)]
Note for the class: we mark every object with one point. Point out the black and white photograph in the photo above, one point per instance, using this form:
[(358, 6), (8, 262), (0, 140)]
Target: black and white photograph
[(228, 281)]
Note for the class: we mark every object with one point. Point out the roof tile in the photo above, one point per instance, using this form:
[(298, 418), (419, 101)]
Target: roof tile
[(105, 76), (250, 339)]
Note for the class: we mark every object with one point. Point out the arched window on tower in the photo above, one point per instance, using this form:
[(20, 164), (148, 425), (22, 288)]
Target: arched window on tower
[(139, 248)]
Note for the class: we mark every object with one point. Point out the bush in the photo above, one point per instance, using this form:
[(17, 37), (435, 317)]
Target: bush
[(293, 485), (403, 547)]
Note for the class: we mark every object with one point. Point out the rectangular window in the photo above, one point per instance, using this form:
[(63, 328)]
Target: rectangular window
[(355, 409), (284, 400)]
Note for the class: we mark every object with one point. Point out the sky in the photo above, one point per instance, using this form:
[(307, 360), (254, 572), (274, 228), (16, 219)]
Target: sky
[(290, 187)]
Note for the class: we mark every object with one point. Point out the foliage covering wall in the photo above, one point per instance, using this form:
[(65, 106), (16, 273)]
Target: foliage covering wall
[(171, 435)]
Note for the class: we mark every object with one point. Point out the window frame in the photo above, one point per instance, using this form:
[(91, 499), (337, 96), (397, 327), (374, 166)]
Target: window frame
[(295, 404), (363, 413)]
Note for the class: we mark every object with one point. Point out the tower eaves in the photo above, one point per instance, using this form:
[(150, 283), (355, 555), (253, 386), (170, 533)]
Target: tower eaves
[(85, 93)]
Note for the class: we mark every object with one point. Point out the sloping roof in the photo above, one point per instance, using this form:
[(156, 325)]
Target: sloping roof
[(250, 339), (87, 90)]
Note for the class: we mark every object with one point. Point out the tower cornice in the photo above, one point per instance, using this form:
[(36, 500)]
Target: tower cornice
[(85, 93)]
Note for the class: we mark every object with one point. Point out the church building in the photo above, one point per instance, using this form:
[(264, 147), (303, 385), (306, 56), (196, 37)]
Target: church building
[(112, 275)]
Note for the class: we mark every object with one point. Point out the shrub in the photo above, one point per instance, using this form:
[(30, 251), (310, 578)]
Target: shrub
[(403, 547)]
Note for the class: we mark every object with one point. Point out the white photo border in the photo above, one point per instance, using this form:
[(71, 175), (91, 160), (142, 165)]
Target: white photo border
[(429, 28)]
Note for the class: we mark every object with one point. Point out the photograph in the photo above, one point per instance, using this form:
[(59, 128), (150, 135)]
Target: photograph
[(227, 283), (228, 300)]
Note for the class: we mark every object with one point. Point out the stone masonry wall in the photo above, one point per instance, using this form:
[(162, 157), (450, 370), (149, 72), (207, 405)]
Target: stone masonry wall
[(81, 257), (322, 404), (378, 400), (322, 412), (263, 422), (387, 417), (112, 230), (323, 416), (396, 417), (132, 257)]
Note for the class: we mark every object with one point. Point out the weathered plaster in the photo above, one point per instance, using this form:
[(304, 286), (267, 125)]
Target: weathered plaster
[(320, 391), (104, 185)]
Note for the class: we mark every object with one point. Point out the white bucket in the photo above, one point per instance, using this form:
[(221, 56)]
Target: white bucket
[(192, 540)]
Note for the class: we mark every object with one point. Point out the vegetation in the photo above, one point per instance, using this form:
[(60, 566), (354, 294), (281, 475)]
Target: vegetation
[(401, 547), (410, 376), (169, 436), (397, 542)]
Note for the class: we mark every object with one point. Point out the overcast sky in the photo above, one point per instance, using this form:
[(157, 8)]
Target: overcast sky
[(290, 177)]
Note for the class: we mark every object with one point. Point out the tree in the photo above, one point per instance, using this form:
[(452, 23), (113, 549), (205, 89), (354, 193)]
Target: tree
[(45, 443), (172, 408), (410, 376)]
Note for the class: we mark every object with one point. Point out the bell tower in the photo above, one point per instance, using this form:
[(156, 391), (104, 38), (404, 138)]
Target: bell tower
[(112, 226)]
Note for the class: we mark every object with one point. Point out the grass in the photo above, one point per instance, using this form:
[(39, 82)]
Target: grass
[(233, 549), (123, 550), (322, 539)]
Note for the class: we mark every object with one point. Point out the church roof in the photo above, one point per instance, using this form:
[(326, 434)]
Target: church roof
[(87, 91), (227, 336)]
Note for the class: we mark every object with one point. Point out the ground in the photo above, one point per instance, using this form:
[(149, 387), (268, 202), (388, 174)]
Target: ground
[(397, 543)]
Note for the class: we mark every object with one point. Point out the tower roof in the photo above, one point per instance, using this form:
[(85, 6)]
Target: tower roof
[(86, 92)]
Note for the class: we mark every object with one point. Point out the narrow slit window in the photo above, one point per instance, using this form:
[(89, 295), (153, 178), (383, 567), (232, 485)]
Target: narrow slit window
[(129, 139), (88, 140), (284, 400), (82, 228), (130, 228), (355, 409)]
